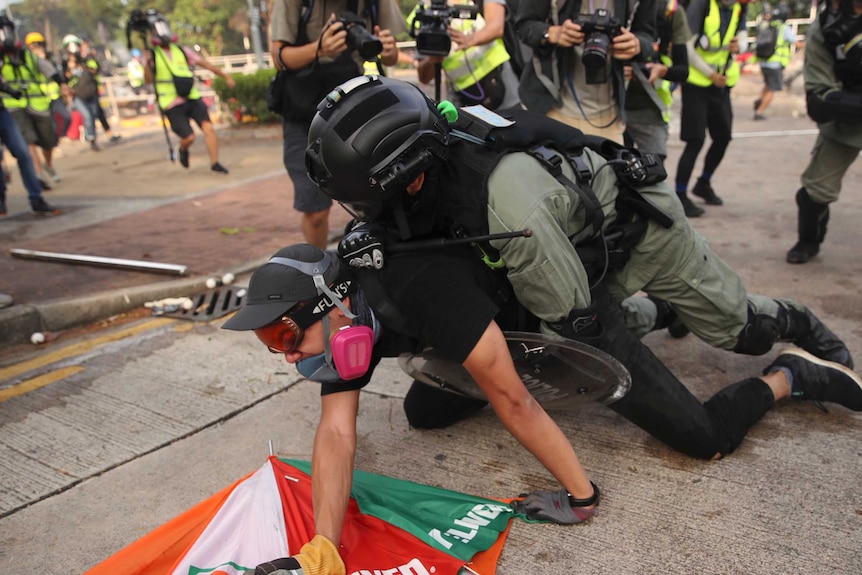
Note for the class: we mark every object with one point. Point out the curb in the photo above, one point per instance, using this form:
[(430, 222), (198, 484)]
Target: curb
[(18, 322)]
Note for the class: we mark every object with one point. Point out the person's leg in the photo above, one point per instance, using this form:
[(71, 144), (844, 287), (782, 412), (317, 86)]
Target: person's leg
[(200, 115), (821, 185), (693, 133), (312, 203), (428, 407), (179, 117), (10, 134), (661, 405), (719, 124)]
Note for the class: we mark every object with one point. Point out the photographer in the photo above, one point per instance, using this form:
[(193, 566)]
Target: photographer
[(317, 48), (478, 65), (171, 68), (588, 94)]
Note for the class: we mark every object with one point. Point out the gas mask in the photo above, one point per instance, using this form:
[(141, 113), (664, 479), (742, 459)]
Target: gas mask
[(839, 27), (347, 351), (161, 32), (9, 41)]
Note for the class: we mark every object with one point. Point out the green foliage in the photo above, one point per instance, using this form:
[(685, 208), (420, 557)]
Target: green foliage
[(248, 98)]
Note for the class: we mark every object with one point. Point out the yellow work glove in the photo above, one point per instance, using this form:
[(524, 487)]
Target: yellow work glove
[(317, 557)]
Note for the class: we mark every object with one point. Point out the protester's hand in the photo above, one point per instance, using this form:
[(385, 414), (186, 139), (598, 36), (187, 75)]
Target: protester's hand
[(333, 39), (318, 556), (626, 46), (231, 83), (66, 91), (717, 79), (389, 55), (554, 506), (627, 72), (657, 70), (462, 41), (362, 246), (567, 35)]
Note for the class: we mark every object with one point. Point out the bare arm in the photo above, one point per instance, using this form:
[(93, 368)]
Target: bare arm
[(204, 63), (490, 364), (332, 462), (495, 22)]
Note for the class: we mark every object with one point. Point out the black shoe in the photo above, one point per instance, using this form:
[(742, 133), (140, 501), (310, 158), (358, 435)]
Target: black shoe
[(704, 190), (816, 379), (802, 252), (218, 168), (691, 210), (95, 147), (115, 139), (799, 325), (42, 208), (759, 116), (184, 157), (757, 103)]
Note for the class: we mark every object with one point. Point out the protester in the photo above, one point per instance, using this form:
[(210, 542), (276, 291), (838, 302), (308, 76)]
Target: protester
[(313, 43), (773, 56), (478, 66), (834, 102), (170, 66), (386, 151), (583, 92), (719, 28)]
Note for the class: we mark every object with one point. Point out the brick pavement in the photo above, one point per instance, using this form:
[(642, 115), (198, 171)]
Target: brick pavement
[(196, 232)]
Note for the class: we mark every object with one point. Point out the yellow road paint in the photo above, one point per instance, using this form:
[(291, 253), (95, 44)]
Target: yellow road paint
[(79, 348), (39, 381)]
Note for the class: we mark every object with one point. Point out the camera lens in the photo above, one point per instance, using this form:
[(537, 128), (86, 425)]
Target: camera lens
[(368, 45), (595, 53)]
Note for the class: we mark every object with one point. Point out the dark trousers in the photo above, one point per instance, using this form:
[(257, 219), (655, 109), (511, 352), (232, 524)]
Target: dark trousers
[(657, 402)]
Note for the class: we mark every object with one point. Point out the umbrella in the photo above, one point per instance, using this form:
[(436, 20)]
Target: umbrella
[(392, 526)]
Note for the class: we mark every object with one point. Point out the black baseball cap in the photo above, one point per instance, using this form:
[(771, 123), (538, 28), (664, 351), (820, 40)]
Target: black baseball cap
[(275, 288)]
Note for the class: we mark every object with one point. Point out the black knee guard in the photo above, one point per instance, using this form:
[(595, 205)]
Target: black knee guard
[(759, 334)]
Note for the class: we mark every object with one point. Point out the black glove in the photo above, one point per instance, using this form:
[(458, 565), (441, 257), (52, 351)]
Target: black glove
[(362, 246), (283, 566), (557, 506)]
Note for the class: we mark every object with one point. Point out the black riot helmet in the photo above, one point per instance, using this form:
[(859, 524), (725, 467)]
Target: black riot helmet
[(781, 13), (9, 41), (370, 138), (842, 25), (160, 30)]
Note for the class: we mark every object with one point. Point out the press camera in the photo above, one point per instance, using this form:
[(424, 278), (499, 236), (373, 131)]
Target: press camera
[(366, 44), (430, 26), (599, 30), (142, 22)]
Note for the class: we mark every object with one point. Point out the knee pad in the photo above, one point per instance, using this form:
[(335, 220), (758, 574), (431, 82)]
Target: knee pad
[(759, 334), (579, 324), (427, 407)]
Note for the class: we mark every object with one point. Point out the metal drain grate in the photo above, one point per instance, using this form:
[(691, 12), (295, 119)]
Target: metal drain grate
[(211, 304)]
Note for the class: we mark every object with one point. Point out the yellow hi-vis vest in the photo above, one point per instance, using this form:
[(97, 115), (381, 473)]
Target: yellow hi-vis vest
[(662, 89), (782, 47), (466, 67), (714, 49), (26, 78), (166, 70)]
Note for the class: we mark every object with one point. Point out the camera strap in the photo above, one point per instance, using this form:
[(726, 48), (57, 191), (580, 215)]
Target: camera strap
[(648, 88)]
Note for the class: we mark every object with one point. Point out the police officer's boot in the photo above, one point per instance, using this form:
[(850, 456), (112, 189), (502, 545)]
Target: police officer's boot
[(796, 323), (813, 217)]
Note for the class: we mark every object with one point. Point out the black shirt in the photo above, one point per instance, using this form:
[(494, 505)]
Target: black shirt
[(448, 298)]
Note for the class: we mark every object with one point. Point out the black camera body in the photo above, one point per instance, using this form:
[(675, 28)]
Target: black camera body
[(599, 30), (430, 26), (142, 22), (365, 43)]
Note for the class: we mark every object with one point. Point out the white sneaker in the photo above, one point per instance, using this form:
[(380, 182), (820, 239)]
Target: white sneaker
[(52, 173)]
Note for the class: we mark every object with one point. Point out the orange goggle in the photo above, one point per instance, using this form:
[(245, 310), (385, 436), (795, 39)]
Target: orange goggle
[(282, 336)]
